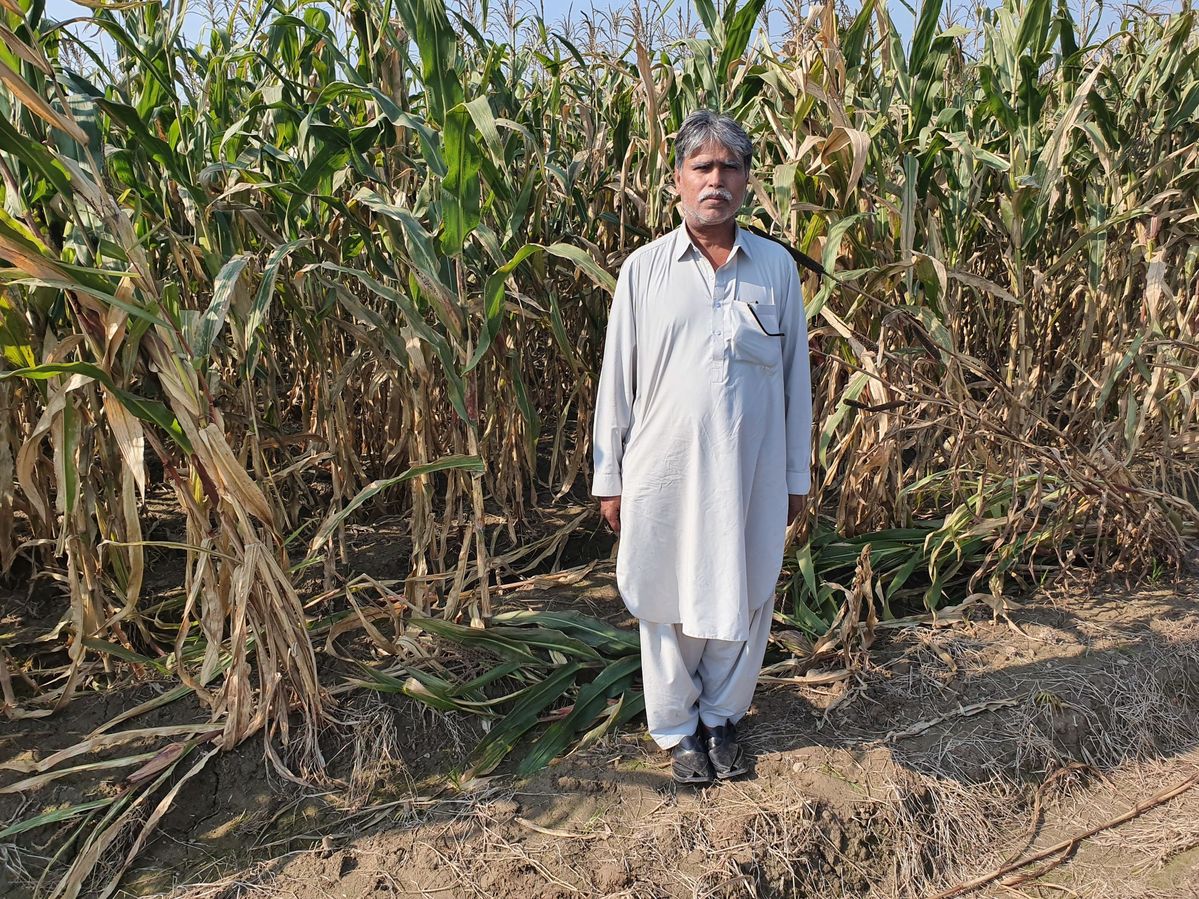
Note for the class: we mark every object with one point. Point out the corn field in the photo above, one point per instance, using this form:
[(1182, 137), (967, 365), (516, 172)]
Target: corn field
[(334, 263)]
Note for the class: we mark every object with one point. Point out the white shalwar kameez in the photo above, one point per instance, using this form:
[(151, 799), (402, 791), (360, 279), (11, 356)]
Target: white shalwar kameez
[(703, 427)]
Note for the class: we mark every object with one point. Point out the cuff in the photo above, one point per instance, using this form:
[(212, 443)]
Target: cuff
[(799, 482), (606, 483)]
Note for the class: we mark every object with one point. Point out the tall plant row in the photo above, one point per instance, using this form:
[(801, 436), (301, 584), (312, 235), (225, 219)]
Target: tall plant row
[(357, 262)]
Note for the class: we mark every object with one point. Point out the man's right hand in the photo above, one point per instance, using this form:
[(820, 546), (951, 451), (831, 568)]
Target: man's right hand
[(610, 512)]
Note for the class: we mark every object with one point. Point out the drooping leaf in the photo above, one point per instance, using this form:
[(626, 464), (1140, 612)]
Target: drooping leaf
[(331, 523)]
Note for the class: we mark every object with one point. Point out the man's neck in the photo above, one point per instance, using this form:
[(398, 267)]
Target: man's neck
[(714, 241)]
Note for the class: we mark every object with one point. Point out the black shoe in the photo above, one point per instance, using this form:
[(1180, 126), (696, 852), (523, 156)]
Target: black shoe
[(689, 762), (726, 755)]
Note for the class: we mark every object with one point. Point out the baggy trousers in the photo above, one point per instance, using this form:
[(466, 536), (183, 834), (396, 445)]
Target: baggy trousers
[(688, 679)]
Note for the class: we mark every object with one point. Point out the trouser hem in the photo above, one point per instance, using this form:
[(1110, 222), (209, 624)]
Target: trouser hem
[(720, 719), (669, 739)]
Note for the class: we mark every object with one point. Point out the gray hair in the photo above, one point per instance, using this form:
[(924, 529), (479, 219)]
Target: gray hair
[(705, 127)]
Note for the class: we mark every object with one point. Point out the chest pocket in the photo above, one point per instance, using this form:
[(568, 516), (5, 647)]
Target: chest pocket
[(756, 336)]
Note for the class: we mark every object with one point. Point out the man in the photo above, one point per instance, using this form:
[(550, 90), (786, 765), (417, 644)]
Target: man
[(702, 443)]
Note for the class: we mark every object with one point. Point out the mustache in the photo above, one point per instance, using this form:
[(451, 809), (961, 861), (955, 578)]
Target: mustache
[(717, 192)]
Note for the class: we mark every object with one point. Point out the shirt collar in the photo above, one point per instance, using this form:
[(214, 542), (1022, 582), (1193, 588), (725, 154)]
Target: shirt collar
[(684, 244)]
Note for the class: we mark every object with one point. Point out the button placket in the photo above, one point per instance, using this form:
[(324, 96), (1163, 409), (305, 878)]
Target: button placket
[(722, 292), (717, 337), (725, 291), (717, 312)]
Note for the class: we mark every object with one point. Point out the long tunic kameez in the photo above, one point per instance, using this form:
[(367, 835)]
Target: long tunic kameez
[(703, 427)]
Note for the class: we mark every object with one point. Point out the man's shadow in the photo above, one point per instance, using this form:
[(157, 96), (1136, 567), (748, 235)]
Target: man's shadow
[(1093, 683)]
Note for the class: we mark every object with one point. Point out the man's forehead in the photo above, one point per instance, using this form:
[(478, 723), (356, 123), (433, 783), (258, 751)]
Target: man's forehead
[(714, 151)]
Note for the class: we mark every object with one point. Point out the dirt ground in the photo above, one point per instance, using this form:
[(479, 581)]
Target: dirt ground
[(956, 747)]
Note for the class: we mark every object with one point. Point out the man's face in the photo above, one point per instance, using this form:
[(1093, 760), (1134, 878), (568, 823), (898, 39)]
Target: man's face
[(711, 184)]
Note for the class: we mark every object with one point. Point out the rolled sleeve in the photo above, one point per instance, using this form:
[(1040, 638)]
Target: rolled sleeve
[(799, 482)]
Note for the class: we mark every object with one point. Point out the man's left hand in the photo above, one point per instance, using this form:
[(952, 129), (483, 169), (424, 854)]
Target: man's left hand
[(797, 504)]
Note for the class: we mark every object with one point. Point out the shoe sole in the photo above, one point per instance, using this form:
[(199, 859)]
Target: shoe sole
[(735, 770), (695, 778)]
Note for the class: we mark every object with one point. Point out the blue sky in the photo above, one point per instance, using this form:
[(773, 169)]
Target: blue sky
[(555, 10)]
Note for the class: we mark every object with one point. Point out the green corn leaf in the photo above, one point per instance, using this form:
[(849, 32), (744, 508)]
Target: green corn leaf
[(547, 639), (15, 342), (480, 113), (499, 672), (633, 704), (56, 816), (592, 631), (739, 26), (35, 156), (589, 703), (228, 282), (923, 34), (494, 295), (115, 649), (511, 642), (707, 15), (494, 292), (460, 188), (584, 260), (257, 314), (427, 22), (503, 736), (807, 568)]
